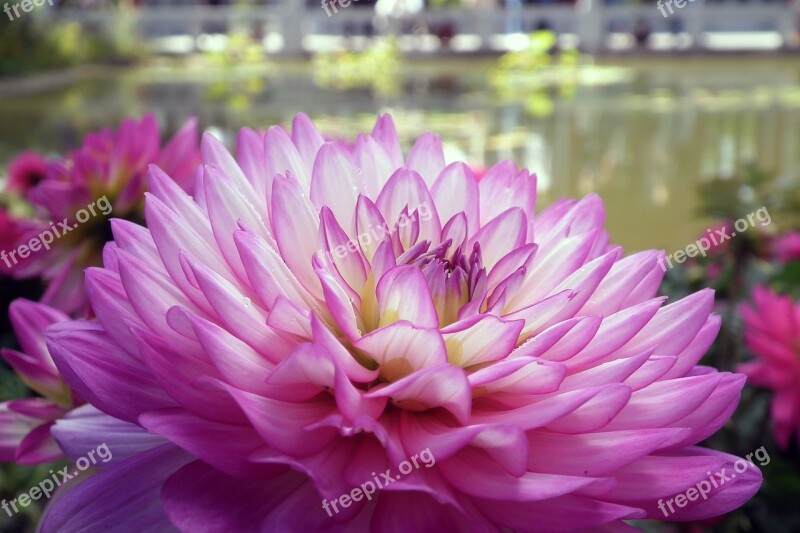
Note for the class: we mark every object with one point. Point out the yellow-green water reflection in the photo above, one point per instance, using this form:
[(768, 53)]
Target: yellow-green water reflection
[(643, 145)]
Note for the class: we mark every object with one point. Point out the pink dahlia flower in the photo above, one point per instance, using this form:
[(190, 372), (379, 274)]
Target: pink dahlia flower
[(110, 166), (787, 247), (25, 423), (318, 314), (772, 333), (26, 171)]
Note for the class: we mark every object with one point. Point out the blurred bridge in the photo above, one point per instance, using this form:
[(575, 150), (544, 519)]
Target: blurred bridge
[(292, 27)]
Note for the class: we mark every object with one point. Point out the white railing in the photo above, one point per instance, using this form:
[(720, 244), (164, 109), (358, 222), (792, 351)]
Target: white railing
[(296, 29)]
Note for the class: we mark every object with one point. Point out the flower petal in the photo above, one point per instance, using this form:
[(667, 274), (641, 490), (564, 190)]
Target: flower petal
[(403, 294), (427, 157), (334, 182), (456, 191), (85, 429), (127, 493), (407, 190), (480, 339), (441, 386), (102, 373), (295, 224), (402, 348)]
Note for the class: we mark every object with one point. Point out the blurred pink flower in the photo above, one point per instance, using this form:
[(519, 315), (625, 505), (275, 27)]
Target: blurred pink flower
[(317, 314), (26, 171), (10, 232), (25, 423), (111, 164), (772, 333), (713, 272), (719, 236), (479, 171), (787, 247)]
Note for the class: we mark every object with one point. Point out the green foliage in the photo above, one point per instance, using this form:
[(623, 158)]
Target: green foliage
[(442, 4), (786, 279), (239, 80), (32, 44), (534, 57), (541, 72), (734, 197), (14, 478), (377, 68)]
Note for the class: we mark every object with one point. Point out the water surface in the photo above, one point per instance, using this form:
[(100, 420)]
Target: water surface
[(643, 145)]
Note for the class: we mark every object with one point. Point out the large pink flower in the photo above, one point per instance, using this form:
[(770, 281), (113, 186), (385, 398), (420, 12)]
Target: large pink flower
[(772, 333), (320, 312), (110, 165)]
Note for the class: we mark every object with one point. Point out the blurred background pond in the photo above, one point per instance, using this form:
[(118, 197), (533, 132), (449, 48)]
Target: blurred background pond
[(641, 132)]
